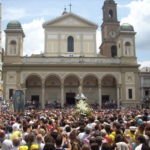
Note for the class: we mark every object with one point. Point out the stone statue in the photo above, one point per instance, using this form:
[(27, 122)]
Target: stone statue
[(18, 101)]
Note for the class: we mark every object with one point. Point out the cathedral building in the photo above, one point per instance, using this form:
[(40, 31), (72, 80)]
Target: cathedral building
[(70, 64)]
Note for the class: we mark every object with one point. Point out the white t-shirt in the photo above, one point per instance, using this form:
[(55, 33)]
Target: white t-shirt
[(7, 145), (122, 146), (139, 147), (82, 135), (15, 126), (91, 125)]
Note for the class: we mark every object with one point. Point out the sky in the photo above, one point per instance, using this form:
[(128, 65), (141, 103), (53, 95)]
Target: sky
[(33, 13)]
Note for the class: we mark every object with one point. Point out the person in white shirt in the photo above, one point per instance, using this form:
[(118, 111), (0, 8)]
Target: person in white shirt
[(84, 134), (7, 145), (120, 144), (142, 144)]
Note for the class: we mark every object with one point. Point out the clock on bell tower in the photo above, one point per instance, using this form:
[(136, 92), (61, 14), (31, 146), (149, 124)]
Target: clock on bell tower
[(110, 28)]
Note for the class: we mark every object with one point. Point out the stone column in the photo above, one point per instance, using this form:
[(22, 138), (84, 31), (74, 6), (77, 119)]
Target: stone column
[(43, 95), (80, 89), (118, 95), (100, 95), (62, 95)]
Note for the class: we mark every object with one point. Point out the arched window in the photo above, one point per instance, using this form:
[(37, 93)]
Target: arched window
[(13, 47), (114, 51), (70, 44), (110, 13), (128, 48)]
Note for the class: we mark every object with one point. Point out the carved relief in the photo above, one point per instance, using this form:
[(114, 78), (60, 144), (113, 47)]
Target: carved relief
[(129, 78)]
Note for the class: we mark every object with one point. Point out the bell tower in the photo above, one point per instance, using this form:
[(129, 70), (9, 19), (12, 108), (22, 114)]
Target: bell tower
[(14, 39), (110, 29), (110, 11)]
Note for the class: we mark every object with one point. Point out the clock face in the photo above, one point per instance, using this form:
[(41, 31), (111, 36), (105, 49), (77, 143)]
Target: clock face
[(112, 34)]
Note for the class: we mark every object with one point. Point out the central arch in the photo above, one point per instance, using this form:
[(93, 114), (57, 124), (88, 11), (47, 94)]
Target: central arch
[(109, 91), (71, 86), (52, 89), (90, 89)]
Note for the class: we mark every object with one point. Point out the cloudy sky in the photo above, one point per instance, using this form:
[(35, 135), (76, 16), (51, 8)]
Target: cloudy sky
[(32, 14)]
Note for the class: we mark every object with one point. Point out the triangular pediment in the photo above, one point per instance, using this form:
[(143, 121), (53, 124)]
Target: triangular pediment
[(69, 20)]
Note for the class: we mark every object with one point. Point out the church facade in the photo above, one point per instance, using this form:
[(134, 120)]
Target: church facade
[(70, 64)]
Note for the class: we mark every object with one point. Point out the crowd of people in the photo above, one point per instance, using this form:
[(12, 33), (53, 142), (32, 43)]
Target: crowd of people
[(62, 129)]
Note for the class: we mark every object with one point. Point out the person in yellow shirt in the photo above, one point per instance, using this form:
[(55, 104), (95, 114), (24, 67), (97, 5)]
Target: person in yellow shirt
[(23, 148), (33, 147)]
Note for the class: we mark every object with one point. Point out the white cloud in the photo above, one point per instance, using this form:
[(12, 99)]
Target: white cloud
[(34, 40), (139, 17), (144, 64)]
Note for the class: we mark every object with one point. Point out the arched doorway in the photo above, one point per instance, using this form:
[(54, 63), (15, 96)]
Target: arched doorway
[(34, 90), (71, 84), (109, 92), (90, 89), (52, 90)]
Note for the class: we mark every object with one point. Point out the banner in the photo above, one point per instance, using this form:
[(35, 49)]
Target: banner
[(18, 101)]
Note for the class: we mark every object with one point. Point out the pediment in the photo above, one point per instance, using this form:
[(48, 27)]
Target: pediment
[(69, 19)]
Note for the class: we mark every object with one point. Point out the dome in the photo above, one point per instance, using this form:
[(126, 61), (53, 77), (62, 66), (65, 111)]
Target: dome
[(126, 27), (14, 25)]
